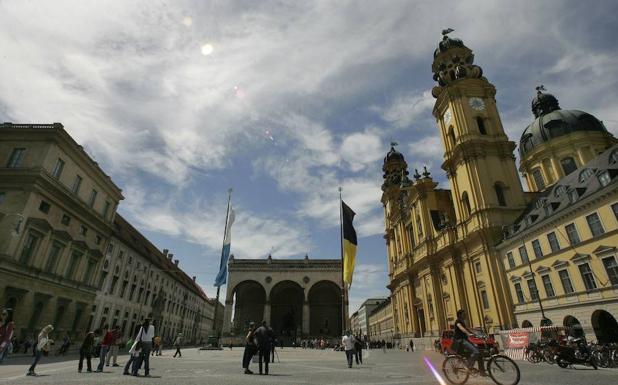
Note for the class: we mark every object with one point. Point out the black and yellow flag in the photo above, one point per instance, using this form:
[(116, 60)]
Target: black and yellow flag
[(349, 243)]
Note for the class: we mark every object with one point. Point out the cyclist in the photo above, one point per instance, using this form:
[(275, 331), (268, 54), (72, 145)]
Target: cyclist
[(460, 337)]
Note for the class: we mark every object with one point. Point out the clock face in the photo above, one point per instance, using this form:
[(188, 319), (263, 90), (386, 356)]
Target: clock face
[(477, 103), (447, 116)]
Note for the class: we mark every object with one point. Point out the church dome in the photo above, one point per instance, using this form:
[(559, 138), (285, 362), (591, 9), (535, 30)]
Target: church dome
[(447, 43), (551, 122), (393, 155)]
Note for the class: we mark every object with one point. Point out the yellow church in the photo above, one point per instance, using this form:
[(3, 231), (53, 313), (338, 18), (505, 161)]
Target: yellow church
[(485, 244)]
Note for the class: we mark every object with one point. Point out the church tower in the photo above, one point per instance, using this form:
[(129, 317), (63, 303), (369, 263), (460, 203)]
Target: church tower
[(478, 157)]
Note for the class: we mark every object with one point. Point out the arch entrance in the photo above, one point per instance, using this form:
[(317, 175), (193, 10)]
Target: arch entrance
[(325, 309), (575, 328), (250, 298), (286, 303), (605, 327)]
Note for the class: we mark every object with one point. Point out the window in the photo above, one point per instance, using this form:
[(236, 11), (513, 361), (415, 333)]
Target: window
[(481, 124), (44, 207), (76, 184), (566, 281), (572, 234), (65, 219), (16, 157), (477, 266), (534, 293), (89, 271), (604, 178), (560, 191), (106, 207), (58, 168), (538, 179), (500, 195), (466, 204), (451, 137), (83, 230), (585, 174), (587, 276), (611, 267), (573, 196), (553, 242), (523, 253), (2, 197), (485, 299), (29, 247), (536, 246), (93, 197), (519, 293), (615, 210), (73, 262), (97, 240), (568, 165), (613, 157), (549, 288), (52, 258), (594, 222)]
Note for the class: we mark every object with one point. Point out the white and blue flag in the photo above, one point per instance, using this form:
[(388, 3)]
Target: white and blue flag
[(225, 252)]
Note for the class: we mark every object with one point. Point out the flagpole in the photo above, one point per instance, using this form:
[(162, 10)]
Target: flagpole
[(342, 264), (227, 217)]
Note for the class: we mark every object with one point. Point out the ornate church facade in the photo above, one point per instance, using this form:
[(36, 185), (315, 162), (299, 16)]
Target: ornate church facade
[(447, 248)]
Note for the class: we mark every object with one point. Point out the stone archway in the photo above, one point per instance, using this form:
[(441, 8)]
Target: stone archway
[(574, 327), (605, 327), (286, 308), (249, 306), (325, 309)]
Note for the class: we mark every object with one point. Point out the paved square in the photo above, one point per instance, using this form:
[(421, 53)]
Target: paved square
[(297, 366)]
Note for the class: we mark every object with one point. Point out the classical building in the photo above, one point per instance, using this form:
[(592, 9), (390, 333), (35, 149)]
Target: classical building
[(56, 215), (363, 315), (449, 248), (380, 322), (298, 298), (355, 323), (140, 281)]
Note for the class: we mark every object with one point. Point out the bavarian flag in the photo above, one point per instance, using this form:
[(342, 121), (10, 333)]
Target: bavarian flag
[(349, 243)]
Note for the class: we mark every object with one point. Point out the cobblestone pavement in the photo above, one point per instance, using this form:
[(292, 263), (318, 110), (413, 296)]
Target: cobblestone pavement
[(297, 366)]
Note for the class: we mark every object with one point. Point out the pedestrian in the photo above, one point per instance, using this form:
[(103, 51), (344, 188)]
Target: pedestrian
[(112, 355), (348, 344), (66, 342), (146, 333), (264, 338), (411, 345), (85, 351), (272, 348), (133, 351), (105, 344), (42, 347), (6, 332), (156, 343), (358, 350), (250, 349), (177, 344)]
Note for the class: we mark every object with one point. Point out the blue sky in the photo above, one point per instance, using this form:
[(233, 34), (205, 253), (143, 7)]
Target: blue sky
[(290, 101)]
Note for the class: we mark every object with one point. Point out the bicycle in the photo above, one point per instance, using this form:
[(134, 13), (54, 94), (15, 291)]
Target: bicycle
[(501, 369)]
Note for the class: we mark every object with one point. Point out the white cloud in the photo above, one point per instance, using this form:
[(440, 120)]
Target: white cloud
[(406, 109), (362, 149)]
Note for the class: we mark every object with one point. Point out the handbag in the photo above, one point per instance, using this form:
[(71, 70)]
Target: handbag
[(139, 344)]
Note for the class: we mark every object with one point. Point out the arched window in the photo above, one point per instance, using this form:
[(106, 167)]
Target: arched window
[(538, 179), (481, 124), (568, 165), (451, 136), (466, 204), (500, 194), (585, 174), (613, 157)]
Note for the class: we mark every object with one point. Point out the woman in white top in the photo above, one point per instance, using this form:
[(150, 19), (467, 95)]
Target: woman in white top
[(144, 343), (43, 344)]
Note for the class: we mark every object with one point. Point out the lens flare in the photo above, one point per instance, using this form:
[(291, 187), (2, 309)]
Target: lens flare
[(207, 49), (434, 371), (187, 21)]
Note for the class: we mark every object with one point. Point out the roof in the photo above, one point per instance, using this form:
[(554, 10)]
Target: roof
[(124, 231), (587, 181)]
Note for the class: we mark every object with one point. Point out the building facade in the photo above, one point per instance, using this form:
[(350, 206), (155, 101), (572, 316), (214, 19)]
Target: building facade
[(298, 298), (447, 247), (56, 216), (363, 314), (381, 326)]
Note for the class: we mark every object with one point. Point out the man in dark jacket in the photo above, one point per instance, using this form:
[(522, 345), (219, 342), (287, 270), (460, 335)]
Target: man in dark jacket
[(85, 351), (264, 337), (358, 350)]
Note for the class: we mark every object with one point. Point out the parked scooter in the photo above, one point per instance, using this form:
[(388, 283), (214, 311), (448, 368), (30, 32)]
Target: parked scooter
[(576, 352)]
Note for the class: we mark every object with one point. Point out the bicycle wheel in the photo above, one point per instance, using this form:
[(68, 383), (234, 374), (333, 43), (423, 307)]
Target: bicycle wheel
[(455, 370), (503, 370)]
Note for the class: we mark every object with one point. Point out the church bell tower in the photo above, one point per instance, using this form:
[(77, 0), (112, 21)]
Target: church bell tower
[(478, 157)]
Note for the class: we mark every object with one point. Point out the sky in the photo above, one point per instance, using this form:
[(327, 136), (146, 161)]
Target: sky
[(283, 101)]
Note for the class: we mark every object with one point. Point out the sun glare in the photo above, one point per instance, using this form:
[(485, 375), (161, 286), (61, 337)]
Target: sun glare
[(207, 49)]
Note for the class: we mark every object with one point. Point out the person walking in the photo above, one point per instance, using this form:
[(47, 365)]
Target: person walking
[(177, 344), (42, 346), (113, 347), (85, 351), (156, 346), (133, 351), (264, 338), (105, 344), (147, 333), (66, 342), (358, 350), (348, 344), (6, 332), (250, 349)]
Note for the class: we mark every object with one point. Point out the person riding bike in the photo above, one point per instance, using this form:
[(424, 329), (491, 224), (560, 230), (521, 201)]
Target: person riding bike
[(460, 338)]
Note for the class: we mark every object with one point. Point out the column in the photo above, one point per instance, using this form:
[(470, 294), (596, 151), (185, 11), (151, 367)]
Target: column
[(267, 312), (306, 318), (227, 316)]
